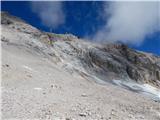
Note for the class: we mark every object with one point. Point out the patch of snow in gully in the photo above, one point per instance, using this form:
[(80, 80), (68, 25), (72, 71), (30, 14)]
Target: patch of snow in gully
[(28, 68), (144, 89), (37, 88)]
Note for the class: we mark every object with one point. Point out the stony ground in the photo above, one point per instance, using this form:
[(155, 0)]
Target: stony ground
[(34, 87)]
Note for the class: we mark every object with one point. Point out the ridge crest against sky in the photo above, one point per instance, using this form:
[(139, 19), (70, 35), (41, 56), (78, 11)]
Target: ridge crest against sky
[(134, 23)]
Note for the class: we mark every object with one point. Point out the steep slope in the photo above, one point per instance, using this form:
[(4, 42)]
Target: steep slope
[(48, 80), (113, 61)]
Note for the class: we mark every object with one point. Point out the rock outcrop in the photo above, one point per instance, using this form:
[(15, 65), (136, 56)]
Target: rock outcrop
[(126, 63)]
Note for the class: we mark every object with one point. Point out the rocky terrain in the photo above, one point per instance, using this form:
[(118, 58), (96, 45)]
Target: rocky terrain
[(59, 76)]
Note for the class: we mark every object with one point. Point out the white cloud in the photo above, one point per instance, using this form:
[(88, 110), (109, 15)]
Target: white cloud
[(129, 22), (50, 13)]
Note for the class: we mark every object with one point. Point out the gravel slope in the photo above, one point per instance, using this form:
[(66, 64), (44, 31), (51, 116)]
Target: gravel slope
[(33, 87)]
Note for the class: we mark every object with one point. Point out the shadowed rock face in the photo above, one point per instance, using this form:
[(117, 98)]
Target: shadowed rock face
[(126, 63), (107, 62), (8, 19)]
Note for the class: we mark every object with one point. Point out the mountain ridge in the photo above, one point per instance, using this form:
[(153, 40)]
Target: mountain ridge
[(125, 62)]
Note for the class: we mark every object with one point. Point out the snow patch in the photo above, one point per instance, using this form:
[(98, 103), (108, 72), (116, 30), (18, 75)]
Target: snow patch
[(37, 88), (28, 68), (144, 89)]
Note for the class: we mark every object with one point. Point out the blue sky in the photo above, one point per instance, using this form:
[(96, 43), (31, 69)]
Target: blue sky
[(94, 20)]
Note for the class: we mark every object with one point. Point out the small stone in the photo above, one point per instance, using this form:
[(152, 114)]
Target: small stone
[(130, 116), (73, 109), (113, 112), (4, 39), (142, 117), (52, 86), (6, 65), (84, 95), (68, 119), (82, 114), (55, 86), (29, 76), (89, 113), (123, 110), (102, 117)]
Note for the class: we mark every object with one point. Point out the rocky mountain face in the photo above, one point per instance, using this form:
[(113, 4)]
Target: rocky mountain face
[(103, 63), (126, 63), (107, 62)]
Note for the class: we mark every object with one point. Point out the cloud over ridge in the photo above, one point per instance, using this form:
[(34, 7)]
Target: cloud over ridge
[(129, 22), (51, 12)]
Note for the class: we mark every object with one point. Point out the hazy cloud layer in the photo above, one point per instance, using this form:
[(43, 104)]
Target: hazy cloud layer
[(50, 13), (129, 22)]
